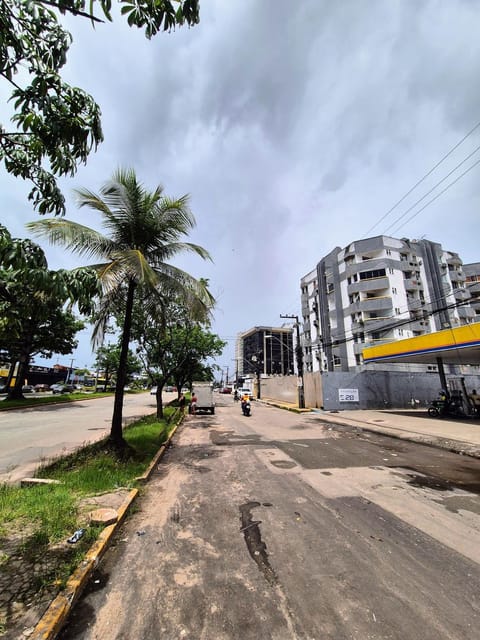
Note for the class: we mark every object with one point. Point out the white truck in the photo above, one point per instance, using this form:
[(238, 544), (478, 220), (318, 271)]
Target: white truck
[(204, 393)]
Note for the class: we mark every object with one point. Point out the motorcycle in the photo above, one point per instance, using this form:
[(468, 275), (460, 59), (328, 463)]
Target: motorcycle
[(443, 407), (246, 409)]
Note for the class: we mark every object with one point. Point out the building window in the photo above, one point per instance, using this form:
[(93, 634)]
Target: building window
[(394, 290), (375, 273), (397, 311)]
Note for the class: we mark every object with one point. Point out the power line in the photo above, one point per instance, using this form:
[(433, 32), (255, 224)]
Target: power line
[(399, 323), (438, 195), (419, 182), (434, 187)]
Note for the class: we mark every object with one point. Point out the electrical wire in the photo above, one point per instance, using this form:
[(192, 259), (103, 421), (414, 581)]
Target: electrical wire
[(434, 187), (419, 182), (438, 195)]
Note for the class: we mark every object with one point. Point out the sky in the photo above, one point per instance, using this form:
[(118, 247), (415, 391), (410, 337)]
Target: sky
[(294, 126)]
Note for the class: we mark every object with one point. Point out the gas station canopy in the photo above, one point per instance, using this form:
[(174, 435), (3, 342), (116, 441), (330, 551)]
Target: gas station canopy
[(459, 345)]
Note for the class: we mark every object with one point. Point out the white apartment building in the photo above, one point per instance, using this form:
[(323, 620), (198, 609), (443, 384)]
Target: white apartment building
[(377, 290)]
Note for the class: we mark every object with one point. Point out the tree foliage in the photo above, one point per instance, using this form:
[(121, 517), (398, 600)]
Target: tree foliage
[(55, 125), (108, 361), (35, 305), (173, 346)]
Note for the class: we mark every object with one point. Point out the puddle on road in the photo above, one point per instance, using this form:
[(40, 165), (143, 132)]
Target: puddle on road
[(253, 538)]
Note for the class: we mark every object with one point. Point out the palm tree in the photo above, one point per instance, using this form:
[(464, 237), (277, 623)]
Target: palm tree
[(144, 231)]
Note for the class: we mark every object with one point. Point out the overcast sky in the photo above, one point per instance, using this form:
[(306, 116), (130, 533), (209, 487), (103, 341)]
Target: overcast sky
[(294, 127)]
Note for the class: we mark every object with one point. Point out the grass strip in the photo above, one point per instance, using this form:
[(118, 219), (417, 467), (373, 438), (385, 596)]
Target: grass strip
[(49, 513)]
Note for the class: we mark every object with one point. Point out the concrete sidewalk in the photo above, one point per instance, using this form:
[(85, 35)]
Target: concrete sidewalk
[(460, 436)]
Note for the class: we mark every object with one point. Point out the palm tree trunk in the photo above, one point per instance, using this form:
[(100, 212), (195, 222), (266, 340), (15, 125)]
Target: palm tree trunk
[(116, 433)]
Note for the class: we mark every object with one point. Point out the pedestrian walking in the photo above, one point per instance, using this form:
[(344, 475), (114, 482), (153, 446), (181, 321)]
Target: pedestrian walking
[(193, 404)]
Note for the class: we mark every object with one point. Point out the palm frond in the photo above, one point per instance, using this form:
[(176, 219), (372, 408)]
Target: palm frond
[(171, 249), (76, 237)]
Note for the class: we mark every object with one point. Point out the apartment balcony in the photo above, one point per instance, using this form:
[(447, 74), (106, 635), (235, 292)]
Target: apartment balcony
[(457, 275), (376, 343), (367, 265), (420, 326), (454, 260), (462, 294), (358, 326), (380, 303), (410, 265), (412, 284), (377, 324), (373, 284), (415, 304), (466, 313)]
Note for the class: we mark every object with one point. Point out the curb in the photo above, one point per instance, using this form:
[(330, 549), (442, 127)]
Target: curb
[(292, 408), (52, 621)]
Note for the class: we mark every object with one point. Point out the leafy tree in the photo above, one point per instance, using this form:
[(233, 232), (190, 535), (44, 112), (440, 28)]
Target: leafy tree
[(174, 346), (145, 230), (54, 124), (108, 361), (33, 317)]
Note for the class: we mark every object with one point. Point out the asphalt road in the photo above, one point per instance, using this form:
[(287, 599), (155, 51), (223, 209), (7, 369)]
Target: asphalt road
[(30, 436), (280, 526)]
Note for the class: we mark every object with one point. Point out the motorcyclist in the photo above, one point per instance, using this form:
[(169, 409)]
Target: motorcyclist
[(236, 395), (245, 399)]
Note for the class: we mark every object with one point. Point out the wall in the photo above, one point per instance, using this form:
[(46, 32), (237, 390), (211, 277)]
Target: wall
[(376, 389), (385, 389), (312, 384), (281, 388)]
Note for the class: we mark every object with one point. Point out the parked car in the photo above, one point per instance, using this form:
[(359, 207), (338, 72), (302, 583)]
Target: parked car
[(42, 387), (28, 388), (62, 388), (153, 391)]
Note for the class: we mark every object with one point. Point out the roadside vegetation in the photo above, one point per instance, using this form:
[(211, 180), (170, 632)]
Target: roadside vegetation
[(36, 521)]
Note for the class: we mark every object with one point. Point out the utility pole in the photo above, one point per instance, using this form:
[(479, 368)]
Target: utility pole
[(301, 396), (70, 372)]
